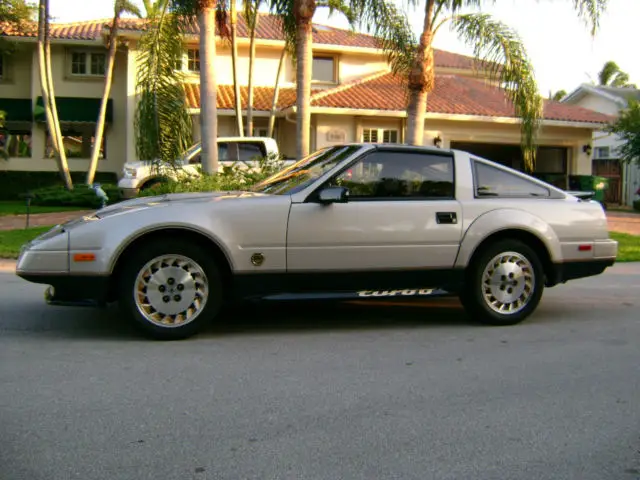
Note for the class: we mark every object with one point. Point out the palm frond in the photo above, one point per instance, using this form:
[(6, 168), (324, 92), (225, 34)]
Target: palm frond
[(390, 26), (503, 56), (126, 6), (284, 9), (162, 123), (591, 11)]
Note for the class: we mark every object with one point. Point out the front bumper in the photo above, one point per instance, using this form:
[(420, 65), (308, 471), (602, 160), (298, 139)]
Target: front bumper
[(72, 290)]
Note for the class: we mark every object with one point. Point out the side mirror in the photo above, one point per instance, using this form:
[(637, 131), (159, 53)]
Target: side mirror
[(333, 195)]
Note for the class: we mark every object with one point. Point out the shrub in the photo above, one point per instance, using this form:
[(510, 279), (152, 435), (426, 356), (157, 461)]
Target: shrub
[(239, 176), (636, 205), (80, 196)]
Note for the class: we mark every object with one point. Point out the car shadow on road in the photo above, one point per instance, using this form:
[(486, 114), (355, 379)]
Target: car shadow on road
[(261, 318), (306, 317)]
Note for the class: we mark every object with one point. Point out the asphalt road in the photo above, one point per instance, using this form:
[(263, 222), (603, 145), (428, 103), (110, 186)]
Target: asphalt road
[(346, 392)]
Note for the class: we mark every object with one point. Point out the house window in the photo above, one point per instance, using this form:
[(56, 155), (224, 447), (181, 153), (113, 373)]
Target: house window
[(602, 152), (379, 135), (193, 60), (323, 69), (88, 63), (78, 142), (16, 143)]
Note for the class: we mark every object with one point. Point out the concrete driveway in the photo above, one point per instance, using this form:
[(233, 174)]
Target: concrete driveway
[(302, 392)]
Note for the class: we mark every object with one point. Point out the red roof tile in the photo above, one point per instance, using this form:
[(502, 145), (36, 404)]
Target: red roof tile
[(269, 28), (262, 97), (452, 95), (382, 91)]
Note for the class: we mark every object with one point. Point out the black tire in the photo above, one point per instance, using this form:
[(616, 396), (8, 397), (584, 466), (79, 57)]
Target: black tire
[(473, 297), (200, 261)]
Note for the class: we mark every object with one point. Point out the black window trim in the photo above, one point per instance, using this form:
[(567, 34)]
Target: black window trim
[(313, 196)]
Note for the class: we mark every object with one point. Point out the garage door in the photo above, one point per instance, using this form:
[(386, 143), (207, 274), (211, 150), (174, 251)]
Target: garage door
[(551, 163)]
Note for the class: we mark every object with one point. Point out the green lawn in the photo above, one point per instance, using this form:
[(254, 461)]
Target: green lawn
[(12, 240), (20, 208), (628, 247)]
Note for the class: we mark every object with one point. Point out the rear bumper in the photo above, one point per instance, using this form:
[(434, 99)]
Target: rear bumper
[(581, 269), (73, 290)]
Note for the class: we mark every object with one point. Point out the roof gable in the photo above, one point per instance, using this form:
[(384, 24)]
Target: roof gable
[(618, 95)]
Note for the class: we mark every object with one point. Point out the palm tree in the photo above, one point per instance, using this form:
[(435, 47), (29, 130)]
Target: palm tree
[(612, 76), (119, 7), (154, 8), (163, 125), (48, 94), (276, 91), (233, 23), (559, 95), (251, 18), (499, 51), (380, 17)]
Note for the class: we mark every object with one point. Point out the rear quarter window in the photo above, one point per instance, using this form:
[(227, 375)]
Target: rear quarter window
[(494, 182)]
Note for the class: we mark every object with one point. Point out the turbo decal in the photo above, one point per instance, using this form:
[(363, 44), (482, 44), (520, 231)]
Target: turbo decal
[(394, 293)]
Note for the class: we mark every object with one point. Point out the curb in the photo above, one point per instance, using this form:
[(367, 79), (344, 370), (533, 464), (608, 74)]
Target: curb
[(7, 265)]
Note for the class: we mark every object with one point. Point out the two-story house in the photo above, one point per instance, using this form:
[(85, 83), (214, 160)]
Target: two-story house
[(624, 179), (354, 98)]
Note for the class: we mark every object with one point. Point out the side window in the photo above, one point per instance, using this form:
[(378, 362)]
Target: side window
[(494, 182), (250, 151), (388, 174)]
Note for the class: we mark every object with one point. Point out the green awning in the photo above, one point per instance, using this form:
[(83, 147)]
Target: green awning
[(75, 110), (16, 109)]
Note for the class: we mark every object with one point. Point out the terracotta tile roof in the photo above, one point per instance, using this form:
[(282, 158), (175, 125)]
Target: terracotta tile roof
[(262, 96), (452, 95), (269, 28), (89, 30), (382, 91)]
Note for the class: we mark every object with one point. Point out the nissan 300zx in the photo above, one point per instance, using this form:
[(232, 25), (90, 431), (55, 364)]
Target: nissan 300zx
[(364, 221)]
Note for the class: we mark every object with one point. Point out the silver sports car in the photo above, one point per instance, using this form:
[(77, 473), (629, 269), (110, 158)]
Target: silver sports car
[(350, 221)]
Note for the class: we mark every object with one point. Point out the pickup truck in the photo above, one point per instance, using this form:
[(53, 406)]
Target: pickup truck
[(139, 175)]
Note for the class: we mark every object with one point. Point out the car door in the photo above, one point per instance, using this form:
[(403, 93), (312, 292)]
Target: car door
[(401, 216)]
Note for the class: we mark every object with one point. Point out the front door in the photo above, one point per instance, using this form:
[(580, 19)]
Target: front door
[(401, 218)]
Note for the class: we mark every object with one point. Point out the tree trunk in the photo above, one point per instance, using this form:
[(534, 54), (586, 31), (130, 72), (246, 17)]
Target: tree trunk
[(252, 58), (421, 80), (304, 15), (234, 65), (276, 92), (95, 154), (208, 94), (46, 82)]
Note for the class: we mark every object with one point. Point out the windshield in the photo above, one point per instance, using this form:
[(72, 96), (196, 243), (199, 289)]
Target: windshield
[(303, 173), (191, 151)]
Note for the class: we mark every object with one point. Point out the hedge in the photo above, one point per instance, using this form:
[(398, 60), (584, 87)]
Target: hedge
[(14, 184), (80, 196)]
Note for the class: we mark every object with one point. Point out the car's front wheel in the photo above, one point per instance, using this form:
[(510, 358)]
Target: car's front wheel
[(170, 289), (504, 283)]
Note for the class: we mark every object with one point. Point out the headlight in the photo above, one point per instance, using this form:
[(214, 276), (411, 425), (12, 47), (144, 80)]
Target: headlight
[(130, 172)]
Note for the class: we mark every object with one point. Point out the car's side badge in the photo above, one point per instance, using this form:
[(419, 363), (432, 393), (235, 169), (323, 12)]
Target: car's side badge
[(257, 259)]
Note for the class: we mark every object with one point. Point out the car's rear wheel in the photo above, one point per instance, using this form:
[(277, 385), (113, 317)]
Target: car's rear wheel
[(170, 289), (504, 283)]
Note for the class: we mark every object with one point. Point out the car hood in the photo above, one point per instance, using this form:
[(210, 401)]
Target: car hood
[(174, 198)]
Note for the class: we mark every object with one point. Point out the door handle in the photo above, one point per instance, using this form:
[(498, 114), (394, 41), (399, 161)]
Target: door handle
[(446, 217)]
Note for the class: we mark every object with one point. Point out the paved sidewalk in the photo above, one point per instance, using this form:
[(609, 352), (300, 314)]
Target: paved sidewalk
[(624, 222), (12, 222), (7, 265)]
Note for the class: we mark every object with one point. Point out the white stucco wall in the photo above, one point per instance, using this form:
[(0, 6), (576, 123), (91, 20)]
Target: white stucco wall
[(67, 85), (16, 82)]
